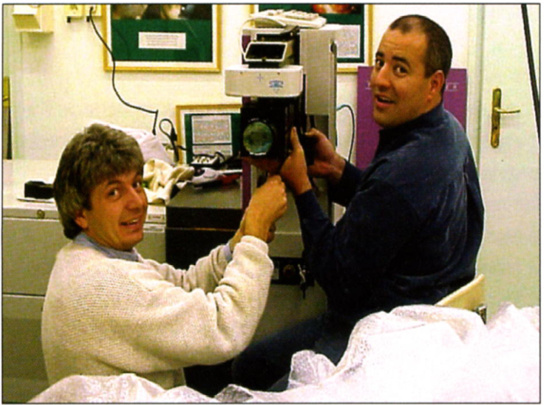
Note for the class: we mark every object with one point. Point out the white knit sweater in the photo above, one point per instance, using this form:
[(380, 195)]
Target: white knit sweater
[(106, 316)]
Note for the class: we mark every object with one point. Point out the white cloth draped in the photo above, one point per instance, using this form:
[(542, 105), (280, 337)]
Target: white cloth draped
[(413, 354)]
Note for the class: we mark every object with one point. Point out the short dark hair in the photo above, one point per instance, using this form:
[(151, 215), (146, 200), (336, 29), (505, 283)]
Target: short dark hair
[(97, 154), (439, 51)]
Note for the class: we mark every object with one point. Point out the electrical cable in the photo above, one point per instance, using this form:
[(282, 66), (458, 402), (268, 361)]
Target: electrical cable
[(352, 113), (530, 60), (156, 112), (172, 136)]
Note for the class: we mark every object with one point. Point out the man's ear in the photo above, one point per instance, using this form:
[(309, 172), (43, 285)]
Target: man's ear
[(437, 82), (81, 220)]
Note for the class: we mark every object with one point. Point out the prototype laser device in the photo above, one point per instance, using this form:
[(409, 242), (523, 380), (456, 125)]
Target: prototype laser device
[(287, 79)]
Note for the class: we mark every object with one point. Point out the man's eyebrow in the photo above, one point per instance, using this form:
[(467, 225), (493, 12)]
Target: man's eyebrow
[(117, 180), (401, 59), (112, 181)]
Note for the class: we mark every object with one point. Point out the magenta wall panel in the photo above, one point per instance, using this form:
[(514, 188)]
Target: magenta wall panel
[(455, 100)]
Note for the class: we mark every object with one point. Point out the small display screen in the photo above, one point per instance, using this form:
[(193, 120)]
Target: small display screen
[(265, 50)]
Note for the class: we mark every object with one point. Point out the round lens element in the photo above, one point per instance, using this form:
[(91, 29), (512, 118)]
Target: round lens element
[(258, 138)]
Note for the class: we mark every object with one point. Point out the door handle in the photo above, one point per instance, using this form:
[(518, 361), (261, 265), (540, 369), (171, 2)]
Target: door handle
[(496, 117)]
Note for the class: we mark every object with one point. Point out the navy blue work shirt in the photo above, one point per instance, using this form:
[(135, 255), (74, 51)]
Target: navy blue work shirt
[(413, 223)]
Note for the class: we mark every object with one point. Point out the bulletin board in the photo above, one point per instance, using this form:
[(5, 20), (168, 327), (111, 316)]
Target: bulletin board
[(207, 129)]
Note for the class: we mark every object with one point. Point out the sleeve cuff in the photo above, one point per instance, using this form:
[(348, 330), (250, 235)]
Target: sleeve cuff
[(227, 253), (252, 240)]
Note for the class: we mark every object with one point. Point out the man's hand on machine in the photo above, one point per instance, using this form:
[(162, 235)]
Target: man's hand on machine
[(268, 204), (294, 171), (327, 163)]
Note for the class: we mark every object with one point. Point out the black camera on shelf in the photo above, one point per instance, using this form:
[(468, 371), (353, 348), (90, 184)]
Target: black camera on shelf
[(266, 125)]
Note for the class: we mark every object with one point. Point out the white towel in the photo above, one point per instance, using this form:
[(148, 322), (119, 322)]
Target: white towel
[(160, 177)]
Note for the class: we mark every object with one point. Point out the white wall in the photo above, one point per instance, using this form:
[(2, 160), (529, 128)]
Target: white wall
[(59, 84)]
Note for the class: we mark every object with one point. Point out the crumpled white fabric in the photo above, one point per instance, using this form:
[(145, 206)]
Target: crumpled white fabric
[(160, 177), (415, 353), (149, 144), (308, 367), (125, 388)]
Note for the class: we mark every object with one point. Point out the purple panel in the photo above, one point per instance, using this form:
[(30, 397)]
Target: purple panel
[(367, 129), (455, 100), (455, 96)]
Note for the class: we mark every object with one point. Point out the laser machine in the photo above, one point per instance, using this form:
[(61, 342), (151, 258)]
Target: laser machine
[(287, 78)]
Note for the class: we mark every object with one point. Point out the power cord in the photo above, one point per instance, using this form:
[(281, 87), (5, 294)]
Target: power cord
[(172, 136), (156, 112), (352, 113)]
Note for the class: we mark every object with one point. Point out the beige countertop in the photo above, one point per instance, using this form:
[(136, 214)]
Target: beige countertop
[(15, 173)]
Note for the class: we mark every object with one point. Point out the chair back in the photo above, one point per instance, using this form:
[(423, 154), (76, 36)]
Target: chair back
[(471, 296)]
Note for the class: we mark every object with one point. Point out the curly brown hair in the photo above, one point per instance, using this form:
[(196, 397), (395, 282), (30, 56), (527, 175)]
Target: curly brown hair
[(97, 154)]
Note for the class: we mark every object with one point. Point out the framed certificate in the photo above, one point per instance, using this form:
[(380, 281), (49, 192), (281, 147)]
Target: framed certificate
[(162, 37)]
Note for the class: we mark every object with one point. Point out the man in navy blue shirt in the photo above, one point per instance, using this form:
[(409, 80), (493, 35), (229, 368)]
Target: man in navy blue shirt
[(414, 218)]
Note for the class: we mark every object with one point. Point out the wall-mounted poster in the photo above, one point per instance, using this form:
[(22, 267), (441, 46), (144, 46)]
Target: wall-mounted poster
[(162, 37)]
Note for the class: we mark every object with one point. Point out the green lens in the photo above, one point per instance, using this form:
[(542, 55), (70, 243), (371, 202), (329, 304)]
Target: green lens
[(258, 138)]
